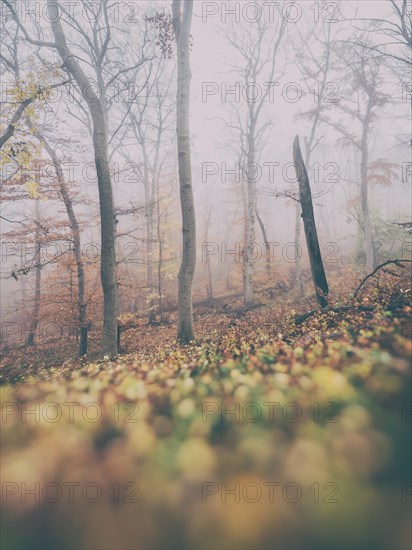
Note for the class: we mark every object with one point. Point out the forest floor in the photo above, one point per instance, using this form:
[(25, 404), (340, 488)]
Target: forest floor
[(261, 434)]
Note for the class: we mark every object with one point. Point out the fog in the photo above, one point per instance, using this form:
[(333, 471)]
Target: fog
[(206, 300)]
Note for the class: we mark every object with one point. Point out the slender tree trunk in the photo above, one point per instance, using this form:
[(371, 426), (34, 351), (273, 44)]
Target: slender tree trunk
[(148, 184), (208, 269), (316, 263), (298, 267), (265, 242), (226, 270), (154, 195), (37, 285), (149, 258), (249, 267), (75, 231), (152, 313), (245, 229), (181, 23), (108, 242), (107, 215), (366, 224), (249, 264), (160, 262)]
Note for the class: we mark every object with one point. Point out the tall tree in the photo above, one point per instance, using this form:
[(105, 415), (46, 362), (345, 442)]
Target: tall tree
[(90, 48), (107, 214), (364, 99), (75, 234), (38, 269), (151, 122), (181, 24), (256, 49)]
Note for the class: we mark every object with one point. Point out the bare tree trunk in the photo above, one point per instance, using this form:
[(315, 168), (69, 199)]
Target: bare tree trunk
[(208, 269), (148, 184), (366, 224), (75, 231), (245, 217), (249, 265), (298, 267), (151, 156), (37, 285), (160, 262), (154, 194), (316, 263), (227, 271), (149, 259), (247, 40), (107, 215), (266, 243), (181, 24)]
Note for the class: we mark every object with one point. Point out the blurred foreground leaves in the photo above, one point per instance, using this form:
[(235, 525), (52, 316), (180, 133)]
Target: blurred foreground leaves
[(321, 408)]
